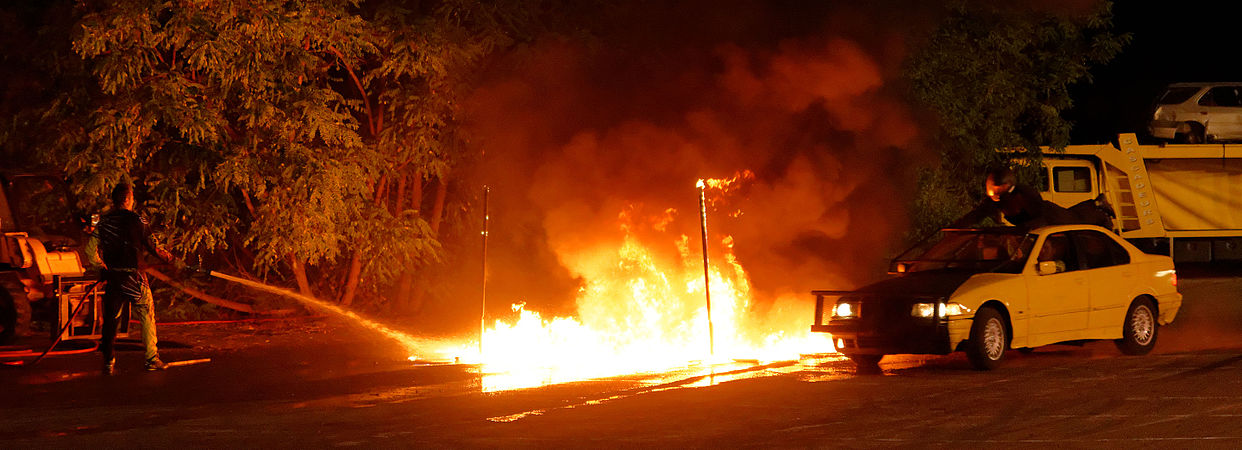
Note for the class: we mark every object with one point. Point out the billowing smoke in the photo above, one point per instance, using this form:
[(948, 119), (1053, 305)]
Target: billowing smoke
[(581, 141), (585, 142)]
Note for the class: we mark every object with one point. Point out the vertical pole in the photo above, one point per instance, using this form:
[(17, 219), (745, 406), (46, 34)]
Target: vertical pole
[(707, 281), (483, 307)]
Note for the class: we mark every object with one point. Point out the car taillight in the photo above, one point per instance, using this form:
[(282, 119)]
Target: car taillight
[(1173, 279)]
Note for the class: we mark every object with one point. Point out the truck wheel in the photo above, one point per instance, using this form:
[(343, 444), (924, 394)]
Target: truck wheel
[(987, 339), (1138, 334), (14, 310), (866, 363), (8, 318)]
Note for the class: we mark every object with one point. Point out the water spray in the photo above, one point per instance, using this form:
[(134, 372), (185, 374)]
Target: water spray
[(411, 343)]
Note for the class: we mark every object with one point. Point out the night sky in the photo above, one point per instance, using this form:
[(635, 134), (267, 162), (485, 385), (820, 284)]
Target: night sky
[(1171, 42)]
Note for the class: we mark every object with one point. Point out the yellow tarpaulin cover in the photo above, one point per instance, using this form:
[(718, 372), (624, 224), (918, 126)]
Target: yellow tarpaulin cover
[(1198, 194)]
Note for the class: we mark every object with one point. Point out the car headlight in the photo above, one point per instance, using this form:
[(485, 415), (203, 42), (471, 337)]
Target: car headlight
[(845, 310), (927, 310), (954, 309), (923, 309)]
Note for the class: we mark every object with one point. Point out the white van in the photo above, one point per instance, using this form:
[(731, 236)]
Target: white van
[(1194, 113)]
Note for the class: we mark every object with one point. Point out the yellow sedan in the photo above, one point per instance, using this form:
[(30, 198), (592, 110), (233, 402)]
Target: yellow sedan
[(985, 291)]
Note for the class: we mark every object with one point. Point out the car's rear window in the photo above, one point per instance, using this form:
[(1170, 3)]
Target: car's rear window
[(1175, 95)]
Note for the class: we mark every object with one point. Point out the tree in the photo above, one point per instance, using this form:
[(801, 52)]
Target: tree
[(303, 133), (999, 78)]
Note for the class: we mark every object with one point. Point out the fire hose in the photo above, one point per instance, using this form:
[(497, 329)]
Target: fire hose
[(59, 335)]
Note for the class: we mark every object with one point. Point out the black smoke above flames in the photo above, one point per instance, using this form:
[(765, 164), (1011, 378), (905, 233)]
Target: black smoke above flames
[(808, 97)]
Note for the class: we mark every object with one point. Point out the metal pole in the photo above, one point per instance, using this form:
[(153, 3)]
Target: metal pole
[(483, 308), (707, 281)]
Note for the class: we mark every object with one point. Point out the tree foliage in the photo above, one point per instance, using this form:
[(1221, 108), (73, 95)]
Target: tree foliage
[(999, 78), (302, 133)]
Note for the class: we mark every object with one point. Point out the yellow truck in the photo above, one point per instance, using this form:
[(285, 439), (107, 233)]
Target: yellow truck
[(1184, 200)]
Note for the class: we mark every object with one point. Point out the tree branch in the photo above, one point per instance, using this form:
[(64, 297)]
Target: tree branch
[(366, 101)]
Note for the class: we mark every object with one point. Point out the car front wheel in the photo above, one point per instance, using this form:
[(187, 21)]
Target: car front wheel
[(988, 339), (866, 363), (1140, 329)]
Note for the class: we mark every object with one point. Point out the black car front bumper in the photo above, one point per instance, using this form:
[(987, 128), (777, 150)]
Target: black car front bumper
[(884, 326)]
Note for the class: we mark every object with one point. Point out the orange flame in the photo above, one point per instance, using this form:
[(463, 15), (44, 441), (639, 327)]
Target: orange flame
[(639, 311), (725, 188), (727, 185)]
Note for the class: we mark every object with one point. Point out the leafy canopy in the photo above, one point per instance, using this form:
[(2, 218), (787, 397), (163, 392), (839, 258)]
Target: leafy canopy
[(998, 78), (279, 127)]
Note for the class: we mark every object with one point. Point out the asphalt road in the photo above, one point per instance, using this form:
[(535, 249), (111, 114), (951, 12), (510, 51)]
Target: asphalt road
[(346, 390)]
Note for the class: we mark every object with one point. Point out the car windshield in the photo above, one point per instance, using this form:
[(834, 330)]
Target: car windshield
[(1003, 250), (1176, 95)]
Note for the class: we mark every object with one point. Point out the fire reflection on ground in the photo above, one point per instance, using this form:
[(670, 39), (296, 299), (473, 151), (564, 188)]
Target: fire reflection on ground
[(698, 377)]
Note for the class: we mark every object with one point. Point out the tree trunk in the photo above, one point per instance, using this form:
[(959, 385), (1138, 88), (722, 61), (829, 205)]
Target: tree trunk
[(437, 209), (416, 192), (351, 283), (404, 294), (399, 204), (437, 217), (299, 272), (405, 284)]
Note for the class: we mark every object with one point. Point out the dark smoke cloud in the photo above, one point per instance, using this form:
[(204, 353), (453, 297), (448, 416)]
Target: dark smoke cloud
[(808, 97)]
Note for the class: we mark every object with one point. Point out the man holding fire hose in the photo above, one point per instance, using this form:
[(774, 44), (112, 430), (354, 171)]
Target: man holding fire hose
[(116, 246)]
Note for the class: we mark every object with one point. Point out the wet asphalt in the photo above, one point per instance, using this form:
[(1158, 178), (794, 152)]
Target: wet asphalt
[(350, 390)]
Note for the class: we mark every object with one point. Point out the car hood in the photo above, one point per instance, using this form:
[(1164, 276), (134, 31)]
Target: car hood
[(930, 283)]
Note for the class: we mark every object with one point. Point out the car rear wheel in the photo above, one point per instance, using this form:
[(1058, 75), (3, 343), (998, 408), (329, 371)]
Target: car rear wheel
[(988, 339), (1189, 133), (1140, 329)]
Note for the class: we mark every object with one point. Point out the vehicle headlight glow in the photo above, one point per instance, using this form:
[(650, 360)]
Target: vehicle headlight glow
[(927, 310), (954, 309), (923, 309), (845, 310)]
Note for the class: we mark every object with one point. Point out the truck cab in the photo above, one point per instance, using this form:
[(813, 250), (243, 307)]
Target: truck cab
[(1070, 181)]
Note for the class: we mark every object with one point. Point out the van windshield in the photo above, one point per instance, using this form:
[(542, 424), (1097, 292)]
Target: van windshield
[(1175, 95)]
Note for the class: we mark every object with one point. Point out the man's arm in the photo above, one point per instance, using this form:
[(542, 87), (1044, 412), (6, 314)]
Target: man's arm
[(985, 209), (92, 253), (1032, 202), (154, 248), (159, 252)]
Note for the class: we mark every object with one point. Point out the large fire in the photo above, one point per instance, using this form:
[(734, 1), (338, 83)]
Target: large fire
[(639, 311)]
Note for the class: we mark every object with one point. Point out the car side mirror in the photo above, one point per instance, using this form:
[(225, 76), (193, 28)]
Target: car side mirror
[(1047, 267)]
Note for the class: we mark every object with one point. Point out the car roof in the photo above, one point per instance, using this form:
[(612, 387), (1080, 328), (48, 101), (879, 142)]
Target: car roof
[(1041, 230), (1206, 83)]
